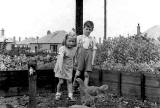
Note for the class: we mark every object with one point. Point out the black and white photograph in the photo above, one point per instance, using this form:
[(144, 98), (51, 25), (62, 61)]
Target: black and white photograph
[(79, 54)]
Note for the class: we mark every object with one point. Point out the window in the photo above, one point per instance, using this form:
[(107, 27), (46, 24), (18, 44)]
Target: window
[(39, 46), (53, 48)]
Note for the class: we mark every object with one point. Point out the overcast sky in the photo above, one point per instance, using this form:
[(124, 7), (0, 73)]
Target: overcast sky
[(31, 18)]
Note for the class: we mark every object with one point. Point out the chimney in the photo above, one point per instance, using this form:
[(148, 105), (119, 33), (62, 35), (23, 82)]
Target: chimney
[(19, 39), (138, 30), (48, 32), (100, 40), (2, 32), (14, 39)]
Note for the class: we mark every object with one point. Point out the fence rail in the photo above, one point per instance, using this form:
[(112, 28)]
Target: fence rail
[(136, 85)]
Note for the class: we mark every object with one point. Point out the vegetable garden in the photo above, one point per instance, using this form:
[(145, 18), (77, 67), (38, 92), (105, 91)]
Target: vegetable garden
[(129, 65)]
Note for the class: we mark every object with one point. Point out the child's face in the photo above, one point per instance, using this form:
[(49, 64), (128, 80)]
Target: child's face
[(87, 30), (70, 42)]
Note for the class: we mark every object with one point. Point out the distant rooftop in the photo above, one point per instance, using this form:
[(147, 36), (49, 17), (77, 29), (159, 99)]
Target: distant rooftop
[(55, 37), (153, 32), (26, 41), (2, 38)]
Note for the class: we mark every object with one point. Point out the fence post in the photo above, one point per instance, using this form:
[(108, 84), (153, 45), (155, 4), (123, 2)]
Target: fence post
[(32, 65), (119, 83), (101, 75), (54, 82), (142, 86)]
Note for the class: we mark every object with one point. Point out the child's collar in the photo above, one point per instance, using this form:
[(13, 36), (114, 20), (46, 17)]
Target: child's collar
[(86, 36)]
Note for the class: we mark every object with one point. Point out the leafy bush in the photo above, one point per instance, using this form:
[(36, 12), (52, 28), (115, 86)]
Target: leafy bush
[(133, 53), (20, 62), (47, 65)]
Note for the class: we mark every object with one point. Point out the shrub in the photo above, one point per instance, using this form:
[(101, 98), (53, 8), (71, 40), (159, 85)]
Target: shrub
[(133, 53)]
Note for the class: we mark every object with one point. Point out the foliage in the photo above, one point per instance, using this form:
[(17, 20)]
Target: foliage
[(20, 62), (46, 65), (130, 53)]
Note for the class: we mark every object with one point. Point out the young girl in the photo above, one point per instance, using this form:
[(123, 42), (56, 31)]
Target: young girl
[(64, 65)]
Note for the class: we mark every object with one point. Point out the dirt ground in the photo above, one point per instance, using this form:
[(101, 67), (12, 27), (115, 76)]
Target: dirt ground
[(47, 100)]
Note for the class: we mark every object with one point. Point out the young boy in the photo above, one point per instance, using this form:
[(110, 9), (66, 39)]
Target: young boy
[(86, 46)]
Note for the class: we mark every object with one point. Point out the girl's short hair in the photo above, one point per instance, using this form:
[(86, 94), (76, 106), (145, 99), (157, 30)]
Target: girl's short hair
[(89, 24), (65, 39)]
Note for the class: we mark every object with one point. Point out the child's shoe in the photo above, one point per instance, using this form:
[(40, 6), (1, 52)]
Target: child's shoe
[(71, 99), (58, 96)]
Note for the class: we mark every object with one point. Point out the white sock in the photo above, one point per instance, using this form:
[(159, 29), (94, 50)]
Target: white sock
[(58, 93), (70, 95)]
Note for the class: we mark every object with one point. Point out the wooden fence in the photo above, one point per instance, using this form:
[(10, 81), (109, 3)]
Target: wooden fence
[(16, 82), (136, 85)]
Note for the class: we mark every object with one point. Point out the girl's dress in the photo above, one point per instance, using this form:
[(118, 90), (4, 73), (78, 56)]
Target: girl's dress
[(67, 67)]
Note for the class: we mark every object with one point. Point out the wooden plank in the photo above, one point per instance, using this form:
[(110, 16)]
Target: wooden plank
[(130, 79), (94, 79), (113, 87), (131, 90), (152, 82), (152, 91), (108, 76), (134, 74)]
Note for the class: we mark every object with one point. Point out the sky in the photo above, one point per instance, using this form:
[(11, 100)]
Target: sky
[(32, 18)]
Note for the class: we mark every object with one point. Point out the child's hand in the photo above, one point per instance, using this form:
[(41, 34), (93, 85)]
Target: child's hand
[(31, 71), (75, 62)]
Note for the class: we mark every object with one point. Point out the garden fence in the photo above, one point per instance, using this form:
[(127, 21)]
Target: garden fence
[(136, 85)]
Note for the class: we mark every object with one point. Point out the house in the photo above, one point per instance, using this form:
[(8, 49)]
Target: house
[(25, 43), (8, 42), (153, 32), (50, 43)]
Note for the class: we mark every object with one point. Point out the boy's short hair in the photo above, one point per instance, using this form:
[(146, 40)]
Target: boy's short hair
[(89, 24)]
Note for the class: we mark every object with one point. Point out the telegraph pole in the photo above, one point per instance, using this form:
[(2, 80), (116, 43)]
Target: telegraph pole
[(79, 17), (105, 19)]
